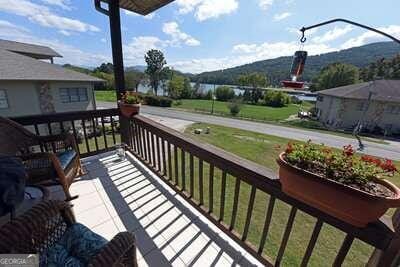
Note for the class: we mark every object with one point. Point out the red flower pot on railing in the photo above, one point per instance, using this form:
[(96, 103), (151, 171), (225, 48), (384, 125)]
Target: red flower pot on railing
[(129, 104), (339, 183)]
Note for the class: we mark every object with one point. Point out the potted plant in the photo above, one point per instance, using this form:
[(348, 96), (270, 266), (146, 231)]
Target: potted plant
[(345, 185), (129, 104)]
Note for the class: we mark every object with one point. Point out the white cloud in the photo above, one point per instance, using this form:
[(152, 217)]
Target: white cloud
[(149, 16), (282, 16), (43, 16), (10, 30), (64, 4), (369, 36), (65, 33), (207, 9), (135, 50), (332, 34), (70, 53), (177, 36), (265, 4)]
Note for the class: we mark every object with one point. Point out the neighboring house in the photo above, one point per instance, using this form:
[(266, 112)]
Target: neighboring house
[(376, 104), (29, 85)]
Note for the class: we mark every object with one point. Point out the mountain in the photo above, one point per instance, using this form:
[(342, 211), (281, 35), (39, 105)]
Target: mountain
[(140, 68), (277, 69)]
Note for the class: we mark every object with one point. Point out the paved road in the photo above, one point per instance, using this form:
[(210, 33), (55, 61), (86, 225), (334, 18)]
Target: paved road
[(391, 150)]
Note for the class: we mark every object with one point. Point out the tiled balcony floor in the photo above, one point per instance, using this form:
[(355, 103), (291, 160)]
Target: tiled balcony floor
[(123, 195)]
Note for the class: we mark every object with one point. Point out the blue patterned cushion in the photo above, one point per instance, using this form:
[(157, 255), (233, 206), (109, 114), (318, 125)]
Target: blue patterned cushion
[(75, 249), (66, 157), (56, 256), (82, 243)]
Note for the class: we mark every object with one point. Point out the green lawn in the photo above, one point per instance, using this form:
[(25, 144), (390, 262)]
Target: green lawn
[(100, 142), (108, 96), (261, 113), (262, 150)]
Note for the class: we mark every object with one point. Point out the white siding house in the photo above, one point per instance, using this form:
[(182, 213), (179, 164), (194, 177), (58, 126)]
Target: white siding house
[(376, 104), (30, 86)]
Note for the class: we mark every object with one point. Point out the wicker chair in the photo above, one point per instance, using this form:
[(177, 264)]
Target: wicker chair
[(42, 226), (58, 164)]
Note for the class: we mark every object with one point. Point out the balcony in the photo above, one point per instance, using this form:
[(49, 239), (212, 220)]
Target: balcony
[(190, 203)]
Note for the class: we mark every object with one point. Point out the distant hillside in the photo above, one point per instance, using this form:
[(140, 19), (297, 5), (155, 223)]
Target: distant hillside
[(278, 69), (140, 68)]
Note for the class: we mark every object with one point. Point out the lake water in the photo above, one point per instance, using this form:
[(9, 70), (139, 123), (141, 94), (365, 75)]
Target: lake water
[(207, 87)]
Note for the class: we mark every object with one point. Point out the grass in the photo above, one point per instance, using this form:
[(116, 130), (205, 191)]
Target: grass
[(100, 142), (107, 96), (253, 112), (261, 149)]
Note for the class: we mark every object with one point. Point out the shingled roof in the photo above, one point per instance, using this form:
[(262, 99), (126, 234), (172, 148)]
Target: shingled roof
[(143, 7), (36, 51), (14, 66), (384, 90)]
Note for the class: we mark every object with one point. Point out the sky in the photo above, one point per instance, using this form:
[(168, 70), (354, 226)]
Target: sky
[(196, 35)]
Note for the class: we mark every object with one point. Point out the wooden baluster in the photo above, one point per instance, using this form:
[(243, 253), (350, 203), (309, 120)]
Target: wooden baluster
[(191, 163), (146, 150), (76, 136), (138, 140), (61, 126), (164, 162), (85, 136), (37, 133), (267, 223), (176, 165), (286, 235), (158, 154), (344, 249), (222, 202), (249, 213), (391, 255), (183, 170), (170, 175), (311, 244), (211, 189), (51, 133), (153, 153), (104, 132), (95, 134), (112, 130), (201, 193), (148, 142), (235, 203)]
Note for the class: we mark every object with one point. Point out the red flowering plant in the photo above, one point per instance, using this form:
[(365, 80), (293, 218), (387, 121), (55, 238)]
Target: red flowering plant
[(343, 165)]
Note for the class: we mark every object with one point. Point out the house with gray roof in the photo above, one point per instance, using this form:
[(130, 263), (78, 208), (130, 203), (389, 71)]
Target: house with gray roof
[(375, 105), (30, 84)]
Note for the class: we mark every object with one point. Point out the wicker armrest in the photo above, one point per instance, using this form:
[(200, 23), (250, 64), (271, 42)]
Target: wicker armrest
[(33, 230), (120, 251)]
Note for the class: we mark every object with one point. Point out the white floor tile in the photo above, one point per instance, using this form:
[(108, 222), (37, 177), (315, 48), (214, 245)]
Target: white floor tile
[(94, 216), (107, 229)]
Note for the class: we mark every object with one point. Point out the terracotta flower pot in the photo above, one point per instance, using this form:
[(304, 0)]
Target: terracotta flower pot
[(341, 201), (129, 110)]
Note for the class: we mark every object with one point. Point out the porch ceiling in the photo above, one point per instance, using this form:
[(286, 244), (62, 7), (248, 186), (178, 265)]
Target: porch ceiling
[(143, 7)]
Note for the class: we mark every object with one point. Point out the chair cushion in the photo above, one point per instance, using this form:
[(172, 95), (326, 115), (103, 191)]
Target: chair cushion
[(66, 157), (75, 248)]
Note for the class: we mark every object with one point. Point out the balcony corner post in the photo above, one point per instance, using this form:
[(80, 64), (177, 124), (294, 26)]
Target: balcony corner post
[(118, 62), (391, 255)]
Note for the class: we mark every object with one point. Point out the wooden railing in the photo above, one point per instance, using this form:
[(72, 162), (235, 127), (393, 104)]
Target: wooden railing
[(230, 191), (200, 173), (95, 131)]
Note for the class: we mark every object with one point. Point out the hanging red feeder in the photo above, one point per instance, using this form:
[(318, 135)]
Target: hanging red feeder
[(299, 60)]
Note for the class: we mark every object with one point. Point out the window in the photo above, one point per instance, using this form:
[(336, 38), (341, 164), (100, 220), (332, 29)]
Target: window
[(360, 106), (68, 95), (3, 99), (391, 109)]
